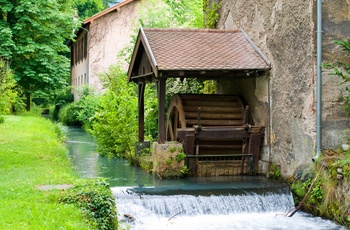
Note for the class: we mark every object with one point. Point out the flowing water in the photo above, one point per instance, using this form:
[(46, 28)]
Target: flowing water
[(145, 202)]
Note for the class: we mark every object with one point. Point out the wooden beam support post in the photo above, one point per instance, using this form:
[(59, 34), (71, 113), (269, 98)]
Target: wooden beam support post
[(254, 148), (141, 111), (161, 110)]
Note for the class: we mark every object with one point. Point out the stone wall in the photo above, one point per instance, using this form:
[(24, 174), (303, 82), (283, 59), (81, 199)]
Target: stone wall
[(284, 101)]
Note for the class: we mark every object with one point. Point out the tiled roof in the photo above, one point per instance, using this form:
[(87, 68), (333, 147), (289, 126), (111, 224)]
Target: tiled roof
[(203, 49), (106, 11)]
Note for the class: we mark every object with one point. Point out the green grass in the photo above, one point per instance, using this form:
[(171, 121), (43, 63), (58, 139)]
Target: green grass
[(31, 155)]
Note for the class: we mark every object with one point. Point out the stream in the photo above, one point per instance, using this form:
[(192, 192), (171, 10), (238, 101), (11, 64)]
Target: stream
[(192, 203)]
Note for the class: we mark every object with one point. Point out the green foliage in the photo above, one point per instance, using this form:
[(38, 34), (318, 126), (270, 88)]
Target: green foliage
[(187, 85), (80, 113), (68, 114), (96, 201), (180, 156), (33, 35), (87, 8), (188, 14), (62, 98), (109, 3), (184, 170), (2, 119), (211, 14), (8, 95), (342, 69), (115, 121), (275, 171), (151, 112), (169, 161)]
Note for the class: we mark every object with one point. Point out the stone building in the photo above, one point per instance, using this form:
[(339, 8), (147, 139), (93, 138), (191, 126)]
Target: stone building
[(98, 42), (284, 101)]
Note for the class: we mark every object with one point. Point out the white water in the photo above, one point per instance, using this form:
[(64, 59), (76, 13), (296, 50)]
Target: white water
[(249, 211)]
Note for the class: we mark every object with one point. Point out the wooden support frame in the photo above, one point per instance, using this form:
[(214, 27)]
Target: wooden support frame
[(253, 135), (161, 110), (141, 111)]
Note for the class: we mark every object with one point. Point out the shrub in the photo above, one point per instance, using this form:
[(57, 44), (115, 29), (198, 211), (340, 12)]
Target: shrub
[(2, 119), (115, 121), (68, 114), (95, 199), (9, 96)]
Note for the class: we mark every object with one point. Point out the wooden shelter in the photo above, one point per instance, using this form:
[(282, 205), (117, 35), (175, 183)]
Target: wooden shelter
[(197, 53)]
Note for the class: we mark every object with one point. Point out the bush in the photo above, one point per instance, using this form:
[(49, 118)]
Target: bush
[(9, 97), (115, 121), (2, 119), (68, 114), (88, 106), (95, 199)]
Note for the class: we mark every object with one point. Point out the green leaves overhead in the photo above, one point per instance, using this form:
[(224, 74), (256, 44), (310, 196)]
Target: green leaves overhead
[(33, 36)]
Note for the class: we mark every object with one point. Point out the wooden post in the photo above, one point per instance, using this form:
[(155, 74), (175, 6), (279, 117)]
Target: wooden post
[(161, 110), (254, 148), (141, 111)]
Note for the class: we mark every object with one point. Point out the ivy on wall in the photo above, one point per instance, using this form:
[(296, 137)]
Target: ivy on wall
[(211, 14)]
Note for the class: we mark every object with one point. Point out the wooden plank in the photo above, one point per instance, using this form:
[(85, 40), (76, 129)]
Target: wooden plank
[(191, 122), (209, 97), (211, 103), (215, 116), (213, 109)]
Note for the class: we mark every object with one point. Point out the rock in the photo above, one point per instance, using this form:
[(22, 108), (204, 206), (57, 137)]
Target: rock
[(340, 170), (129, 217), (345, 147)]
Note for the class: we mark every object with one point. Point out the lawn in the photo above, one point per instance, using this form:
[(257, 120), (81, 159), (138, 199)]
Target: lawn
[(31, 155)]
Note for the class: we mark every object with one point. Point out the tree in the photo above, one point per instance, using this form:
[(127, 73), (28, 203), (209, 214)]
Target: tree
[(109, 3), (33, 35), (87, 8), (8, 94)]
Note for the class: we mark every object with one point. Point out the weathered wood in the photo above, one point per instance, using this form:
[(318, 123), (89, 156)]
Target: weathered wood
[(161, 111), (189, 144), (215, 125), (215, 116), (141, 112), (213, 109), (254, 148), (191, 122)]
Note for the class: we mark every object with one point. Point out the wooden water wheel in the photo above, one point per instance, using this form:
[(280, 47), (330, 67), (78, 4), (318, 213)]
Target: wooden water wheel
[(215, 133), (206, 110)]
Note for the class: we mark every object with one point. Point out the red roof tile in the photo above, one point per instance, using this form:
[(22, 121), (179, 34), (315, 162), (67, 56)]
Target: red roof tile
[(203, 49)]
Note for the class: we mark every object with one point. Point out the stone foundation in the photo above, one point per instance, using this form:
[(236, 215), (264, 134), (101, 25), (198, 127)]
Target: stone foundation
[(165, 163)]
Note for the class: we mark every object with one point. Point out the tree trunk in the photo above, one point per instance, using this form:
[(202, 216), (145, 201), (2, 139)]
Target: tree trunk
[(28, 101)]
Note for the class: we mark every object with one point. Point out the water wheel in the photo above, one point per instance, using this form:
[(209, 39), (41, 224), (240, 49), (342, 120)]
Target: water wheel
[(207, 110)]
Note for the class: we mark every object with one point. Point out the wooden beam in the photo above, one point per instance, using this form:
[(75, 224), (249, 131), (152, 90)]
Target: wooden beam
[(141, 111), (161, 110), (254, 148)]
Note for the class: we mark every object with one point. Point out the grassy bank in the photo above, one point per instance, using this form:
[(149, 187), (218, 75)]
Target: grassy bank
[(324, 188), (31, 155)]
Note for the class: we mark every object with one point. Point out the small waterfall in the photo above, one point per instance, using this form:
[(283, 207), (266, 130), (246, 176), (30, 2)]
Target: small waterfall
[(167, 206), (149, 210)]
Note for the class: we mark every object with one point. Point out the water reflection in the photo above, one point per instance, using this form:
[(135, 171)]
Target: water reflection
[(89, 164)]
